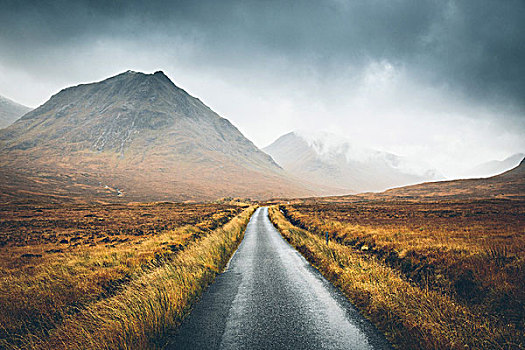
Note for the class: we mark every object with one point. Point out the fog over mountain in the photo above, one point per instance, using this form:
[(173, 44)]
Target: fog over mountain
[(10, 111), (508, 185), (334, 161), (440, 80), (494, 167)]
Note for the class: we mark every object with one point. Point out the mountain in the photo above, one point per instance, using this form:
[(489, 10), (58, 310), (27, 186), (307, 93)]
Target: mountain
[(137, 136), (10, 111), (327, 159), (509, 185), (494, 167)]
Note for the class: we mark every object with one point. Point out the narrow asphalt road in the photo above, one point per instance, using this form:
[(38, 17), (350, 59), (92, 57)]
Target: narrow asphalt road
[(270, 297)]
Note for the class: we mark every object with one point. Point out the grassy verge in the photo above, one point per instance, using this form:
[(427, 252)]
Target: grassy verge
[(472, 251), (150, 290), (411, 317)]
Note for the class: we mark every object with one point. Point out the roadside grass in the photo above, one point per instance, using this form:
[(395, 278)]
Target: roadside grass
[(412, 316), (472, 251), (116, 296)]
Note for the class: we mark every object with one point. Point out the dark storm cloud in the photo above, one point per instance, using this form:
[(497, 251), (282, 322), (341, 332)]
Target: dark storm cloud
[(474, 47)]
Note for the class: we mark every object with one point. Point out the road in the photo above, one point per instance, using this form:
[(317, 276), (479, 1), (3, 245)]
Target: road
[(270, 297)]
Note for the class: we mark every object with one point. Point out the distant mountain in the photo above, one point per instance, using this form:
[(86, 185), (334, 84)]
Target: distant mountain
[(138, 136), (494, 167), (509, 185), (10, 111), (329, 160)]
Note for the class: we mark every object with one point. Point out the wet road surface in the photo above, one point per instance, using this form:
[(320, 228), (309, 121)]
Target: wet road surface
[(270, 297)]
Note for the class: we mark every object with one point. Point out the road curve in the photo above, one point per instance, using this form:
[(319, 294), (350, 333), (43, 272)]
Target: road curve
[(270, 297)]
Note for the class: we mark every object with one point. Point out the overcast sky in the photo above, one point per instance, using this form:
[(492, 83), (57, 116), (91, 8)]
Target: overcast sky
[(442, 81)]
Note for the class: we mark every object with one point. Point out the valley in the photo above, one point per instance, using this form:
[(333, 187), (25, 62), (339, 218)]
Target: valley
[(123, 201), (262, 175)]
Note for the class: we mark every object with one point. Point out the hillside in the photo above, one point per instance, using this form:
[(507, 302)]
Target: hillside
[(330, 160), (137, 136), (508, 185), (10, 111), (494, 167)]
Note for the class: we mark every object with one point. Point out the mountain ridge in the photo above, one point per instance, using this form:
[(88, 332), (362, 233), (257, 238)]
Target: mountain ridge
[(332, 160), (10, 111), (494, 167), (146, 136), (507, 185)]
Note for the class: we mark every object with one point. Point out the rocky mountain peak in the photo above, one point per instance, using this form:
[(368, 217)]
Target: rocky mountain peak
[(138, 126), (160, 74), (109, 114), (130, 112)]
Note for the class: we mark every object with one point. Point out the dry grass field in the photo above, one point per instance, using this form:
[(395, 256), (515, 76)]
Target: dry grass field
[(443, 274), (73, 276)]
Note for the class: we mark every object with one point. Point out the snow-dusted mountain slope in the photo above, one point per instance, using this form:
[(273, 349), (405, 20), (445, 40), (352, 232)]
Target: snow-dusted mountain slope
[(331, 160)]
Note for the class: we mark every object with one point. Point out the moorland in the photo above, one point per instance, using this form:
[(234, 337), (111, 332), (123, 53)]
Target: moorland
[(75, 275), (430, 274)]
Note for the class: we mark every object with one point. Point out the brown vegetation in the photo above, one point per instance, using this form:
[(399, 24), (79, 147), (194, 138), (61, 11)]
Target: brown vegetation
[(430, 275), (508, 185), (108, 276)]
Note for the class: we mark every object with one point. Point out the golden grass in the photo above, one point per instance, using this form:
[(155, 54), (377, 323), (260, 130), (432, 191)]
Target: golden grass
[(472, 251), (116, 297), (411, 316)]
